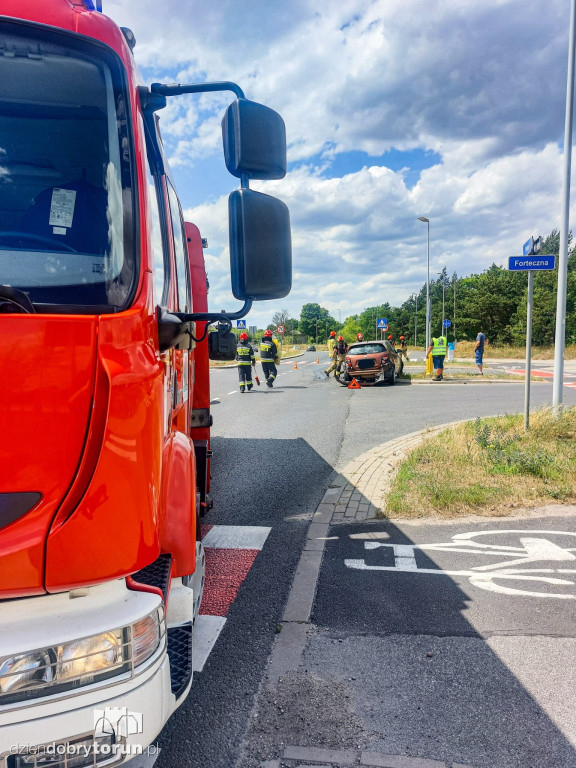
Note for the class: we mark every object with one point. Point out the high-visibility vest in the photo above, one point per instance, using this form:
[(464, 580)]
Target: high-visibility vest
[(439, 346)]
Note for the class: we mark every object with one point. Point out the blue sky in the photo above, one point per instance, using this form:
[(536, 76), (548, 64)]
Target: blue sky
[(394, 109)]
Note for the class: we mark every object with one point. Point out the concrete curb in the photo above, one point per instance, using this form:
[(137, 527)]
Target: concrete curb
[(318, 757)]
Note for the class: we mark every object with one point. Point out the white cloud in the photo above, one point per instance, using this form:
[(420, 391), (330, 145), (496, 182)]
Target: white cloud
[(481, 83)]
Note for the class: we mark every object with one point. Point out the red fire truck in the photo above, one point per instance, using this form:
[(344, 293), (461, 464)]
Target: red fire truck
[(104, 392)]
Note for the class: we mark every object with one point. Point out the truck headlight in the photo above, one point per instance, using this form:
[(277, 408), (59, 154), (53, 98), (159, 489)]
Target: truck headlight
[(87, 657), (80, 662), (25, 671)]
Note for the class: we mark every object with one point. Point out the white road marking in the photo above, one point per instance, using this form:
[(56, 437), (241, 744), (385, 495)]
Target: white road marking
[(206, 632), (236, 537), (534, 549), (233, 392)]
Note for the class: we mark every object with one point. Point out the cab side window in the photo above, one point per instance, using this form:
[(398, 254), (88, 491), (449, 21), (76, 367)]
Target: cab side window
[(161, 268), (182, 275), (160, 252)]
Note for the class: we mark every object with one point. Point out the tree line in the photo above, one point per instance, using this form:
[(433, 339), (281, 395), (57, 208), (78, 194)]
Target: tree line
[(493, 302)]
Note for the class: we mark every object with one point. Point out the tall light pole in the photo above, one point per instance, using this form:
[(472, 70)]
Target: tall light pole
[(427, 222), (443, 291), (560, 336)]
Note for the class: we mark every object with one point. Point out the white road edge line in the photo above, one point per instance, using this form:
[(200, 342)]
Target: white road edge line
[(206, 632)]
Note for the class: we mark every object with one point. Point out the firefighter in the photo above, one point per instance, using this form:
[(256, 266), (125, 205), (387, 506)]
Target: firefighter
[(438, 350), (359, 337), (391, 340), (403, 349), (338, 356), (331, 343), (268, 357), (246, 360)]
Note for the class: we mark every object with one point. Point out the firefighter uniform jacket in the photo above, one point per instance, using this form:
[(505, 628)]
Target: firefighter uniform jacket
[(268, 350), (245, 353), (341, 347)]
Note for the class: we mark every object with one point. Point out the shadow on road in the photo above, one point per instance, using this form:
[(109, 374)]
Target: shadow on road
[(391, 664)]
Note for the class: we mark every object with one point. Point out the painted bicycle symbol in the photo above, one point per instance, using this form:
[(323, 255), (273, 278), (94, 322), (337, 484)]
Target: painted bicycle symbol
[(510, 569)]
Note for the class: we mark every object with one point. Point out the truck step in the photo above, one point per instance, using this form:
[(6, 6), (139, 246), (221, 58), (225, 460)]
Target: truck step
[(157, 574), (180, 655)]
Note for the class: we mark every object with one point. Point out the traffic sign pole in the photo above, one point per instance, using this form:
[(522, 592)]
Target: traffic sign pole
[(529, 262), (528, 350)]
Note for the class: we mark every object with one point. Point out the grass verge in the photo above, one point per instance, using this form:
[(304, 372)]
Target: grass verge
[(503, 351), (471, 375), (489, 467)]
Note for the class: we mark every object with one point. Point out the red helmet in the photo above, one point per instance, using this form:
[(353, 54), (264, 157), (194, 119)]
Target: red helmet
[(340, 338), (332, 333), (244, 336), (402, 338), (268, 333), (390, 338), (360, 336)]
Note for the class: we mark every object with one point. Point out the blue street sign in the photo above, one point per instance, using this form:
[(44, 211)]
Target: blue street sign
[(528, 263), (527, 247), (382, 324), (447, 323), (241, 324)]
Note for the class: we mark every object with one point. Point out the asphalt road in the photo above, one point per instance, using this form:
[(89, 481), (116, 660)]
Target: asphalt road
[(456, 642), (275, 452)]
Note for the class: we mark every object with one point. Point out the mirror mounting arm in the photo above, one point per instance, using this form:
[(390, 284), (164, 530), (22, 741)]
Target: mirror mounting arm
[(175, 89), (214, 317)]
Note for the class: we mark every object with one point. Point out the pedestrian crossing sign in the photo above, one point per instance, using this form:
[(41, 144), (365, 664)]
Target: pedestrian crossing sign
[(241, 324), (382, 324)]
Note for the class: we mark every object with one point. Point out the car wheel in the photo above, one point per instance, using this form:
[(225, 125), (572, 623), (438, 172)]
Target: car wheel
[(392, 378)]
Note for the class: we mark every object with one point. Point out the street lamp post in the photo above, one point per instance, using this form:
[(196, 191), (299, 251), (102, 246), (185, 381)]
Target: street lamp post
[(561, 293), (443, 293), (427, 222)]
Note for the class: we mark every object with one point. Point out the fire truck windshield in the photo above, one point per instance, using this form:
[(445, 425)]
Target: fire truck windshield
[(66, 234)]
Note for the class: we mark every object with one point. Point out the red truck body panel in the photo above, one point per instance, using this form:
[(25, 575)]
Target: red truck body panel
[(116, 475)]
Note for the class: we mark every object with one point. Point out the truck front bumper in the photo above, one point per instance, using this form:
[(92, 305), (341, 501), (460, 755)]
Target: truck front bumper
[(115, 719)]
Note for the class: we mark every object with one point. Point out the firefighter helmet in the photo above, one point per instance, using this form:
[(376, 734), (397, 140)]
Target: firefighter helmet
[(360, 337), (340, 338), (268, 333), (332, 333), (244, 336)]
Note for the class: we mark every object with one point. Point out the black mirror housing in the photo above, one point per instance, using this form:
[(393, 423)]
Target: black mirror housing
[(222, 343), (260, 246), (254, 139)]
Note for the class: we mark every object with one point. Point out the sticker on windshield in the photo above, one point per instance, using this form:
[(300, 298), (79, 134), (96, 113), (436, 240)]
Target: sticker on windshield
[(62, 207)]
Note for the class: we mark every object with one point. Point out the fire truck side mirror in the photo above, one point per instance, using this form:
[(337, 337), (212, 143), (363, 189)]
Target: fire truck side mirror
[(260, 246), (254, 138)]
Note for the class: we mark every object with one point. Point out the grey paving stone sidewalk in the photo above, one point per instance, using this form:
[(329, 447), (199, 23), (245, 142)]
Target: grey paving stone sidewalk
[(361, 486)]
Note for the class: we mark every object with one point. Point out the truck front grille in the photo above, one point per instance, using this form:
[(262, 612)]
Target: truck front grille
[(87, 751)]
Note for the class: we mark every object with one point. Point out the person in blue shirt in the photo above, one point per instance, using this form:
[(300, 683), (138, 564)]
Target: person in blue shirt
[(479, 351)]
